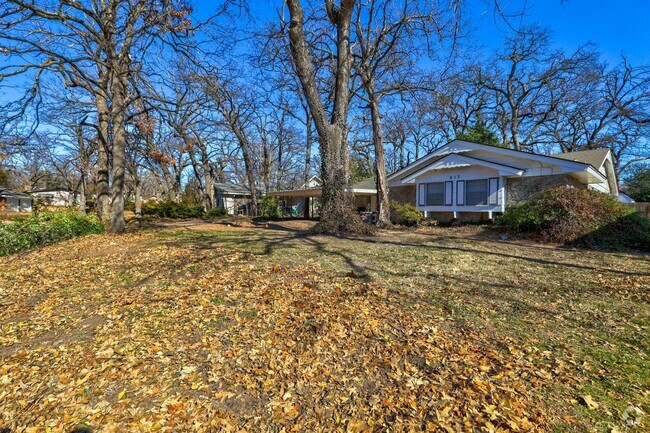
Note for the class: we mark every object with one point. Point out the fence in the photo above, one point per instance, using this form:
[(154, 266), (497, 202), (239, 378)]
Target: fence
[(642, 208)]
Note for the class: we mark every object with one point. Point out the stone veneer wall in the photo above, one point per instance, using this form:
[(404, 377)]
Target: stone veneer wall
[(522, 188)]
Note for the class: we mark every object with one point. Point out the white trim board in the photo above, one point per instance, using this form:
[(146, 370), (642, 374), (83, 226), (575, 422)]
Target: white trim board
[(453, 161)]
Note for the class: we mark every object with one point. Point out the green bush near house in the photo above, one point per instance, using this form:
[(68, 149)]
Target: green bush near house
[(216, 213), (24, 233), (407, 214), (270, 207), (579, 217), (172, 209)]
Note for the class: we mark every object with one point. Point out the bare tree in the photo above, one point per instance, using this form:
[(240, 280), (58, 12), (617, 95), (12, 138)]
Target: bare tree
[(94, 45), (337, 215)]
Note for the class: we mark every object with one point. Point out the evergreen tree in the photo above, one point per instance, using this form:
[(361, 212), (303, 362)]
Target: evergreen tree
[(638, 184), (479, 132)]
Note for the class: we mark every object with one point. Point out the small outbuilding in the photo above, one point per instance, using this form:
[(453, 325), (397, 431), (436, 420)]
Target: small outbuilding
[(233, 198), (13, 201)]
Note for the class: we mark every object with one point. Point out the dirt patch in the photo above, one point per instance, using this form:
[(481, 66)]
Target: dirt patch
[(83, 331)]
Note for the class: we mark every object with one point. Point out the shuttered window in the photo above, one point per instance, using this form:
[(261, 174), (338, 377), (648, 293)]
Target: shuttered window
[(460, 193), (436, 194), (476, 192), (493, 191), (422, 193)]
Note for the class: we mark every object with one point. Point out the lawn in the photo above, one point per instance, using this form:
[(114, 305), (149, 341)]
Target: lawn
[(217, 328)]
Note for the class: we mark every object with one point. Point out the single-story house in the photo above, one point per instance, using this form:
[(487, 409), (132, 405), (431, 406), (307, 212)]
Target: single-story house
[(472, 181), (303, 201), (234, 199), (13, 201), (56, 196)]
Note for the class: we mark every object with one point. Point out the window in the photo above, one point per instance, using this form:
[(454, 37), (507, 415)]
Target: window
[(436, 194), (476, 192)]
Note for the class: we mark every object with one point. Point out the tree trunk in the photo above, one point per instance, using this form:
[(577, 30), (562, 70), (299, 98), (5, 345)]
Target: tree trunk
[(248, 163), (83, 171), (102, 203), (138, 196), (308, 149), (118, 224), (383, 203), (337, 215), (82, 194)]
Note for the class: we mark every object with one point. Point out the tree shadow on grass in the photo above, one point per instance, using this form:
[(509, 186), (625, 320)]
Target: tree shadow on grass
[(272, 241)]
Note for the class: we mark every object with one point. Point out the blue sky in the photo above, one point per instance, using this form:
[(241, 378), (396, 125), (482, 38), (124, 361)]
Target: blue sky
[(615, 26)]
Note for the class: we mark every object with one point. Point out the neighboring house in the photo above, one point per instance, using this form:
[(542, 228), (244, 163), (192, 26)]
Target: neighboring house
[(55, 196), (472, 181), (234, 199), (13, 201)]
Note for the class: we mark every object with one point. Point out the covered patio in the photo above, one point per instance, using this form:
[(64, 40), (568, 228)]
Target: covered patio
[(305, 202)]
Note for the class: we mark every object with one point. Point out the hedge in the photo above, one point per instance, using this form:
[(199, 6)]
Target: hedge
[(173, 210), (23, 233), (579, 217)]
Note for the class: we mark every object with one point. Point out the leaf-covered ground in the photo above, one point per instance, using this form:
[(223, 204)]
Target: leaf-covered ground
[(213, 328)]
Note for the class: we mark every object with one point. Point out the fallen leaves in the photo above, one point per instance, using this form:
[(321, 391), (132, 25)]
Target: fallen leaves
[(159, 336)]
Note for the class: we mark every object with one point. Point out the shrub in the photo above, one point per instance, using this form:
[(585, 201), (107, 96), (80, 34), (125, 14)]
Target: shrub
[(171, 209), (270, 207), (45, 228), (581, 217), (216, 213), (407, 214)]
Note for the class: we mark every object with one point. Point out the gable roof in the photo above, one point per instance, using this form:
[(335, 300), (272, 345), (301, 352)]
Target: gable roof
[(455, 160), (4, 192), (461, 146), (232, 188), (593, 157)]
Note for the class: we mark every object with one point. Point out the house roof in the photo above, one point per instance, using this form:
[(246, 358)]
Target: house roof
[(56, 189), (462, 146), (4, 192), (367, 183), (457, 160), (365, 187), (594, 157), (232, 188)]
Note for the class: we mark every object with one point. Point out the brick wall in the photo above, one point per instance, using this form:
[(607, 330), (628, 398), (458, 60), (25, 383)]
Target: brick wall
[(522, 188), (466, 217)]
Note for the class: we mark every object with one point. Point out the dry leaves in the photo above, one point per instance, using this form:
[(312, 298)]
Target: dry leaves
[(123, 334)]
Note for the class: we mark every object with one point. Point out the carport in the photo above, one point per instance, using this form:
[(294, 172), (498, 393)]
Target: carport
[(305, 201)]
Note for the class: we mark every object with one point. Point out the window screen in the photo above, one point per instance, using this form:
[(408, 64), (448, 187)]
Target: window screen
[(436, 194), (476, 192)]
